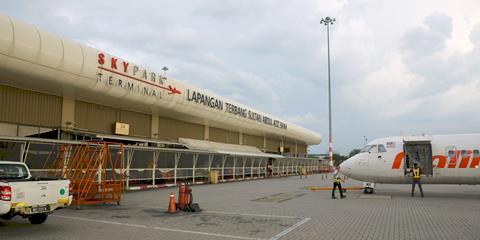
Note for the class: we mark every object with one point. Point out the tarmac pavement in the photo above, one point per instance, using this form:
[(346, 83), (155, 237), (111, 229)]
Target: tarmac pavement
[(275, 208)]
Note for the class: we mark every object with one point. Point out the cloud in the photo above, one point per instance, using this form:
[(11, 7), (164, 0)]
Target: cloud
[(475, 35), (408, 66), (308, 120), (65, 14)]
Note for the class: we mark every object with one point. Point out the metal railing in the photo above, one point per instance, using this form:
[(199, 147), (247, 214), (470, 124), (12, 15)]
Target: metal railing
[(153, 166)]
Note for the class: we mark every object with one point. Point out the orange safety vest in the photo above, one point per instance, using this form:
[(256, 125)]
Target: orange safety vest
[(416, 173)]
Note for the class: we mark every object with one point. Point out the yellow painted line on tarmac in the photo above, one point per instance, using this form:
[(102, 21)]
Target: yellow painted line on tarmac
[(330, 188)]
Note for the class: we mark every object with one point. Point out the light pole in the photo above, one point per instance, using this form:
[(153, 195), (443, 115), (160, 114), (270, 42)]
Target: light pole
[(327, 22), (165, 69)]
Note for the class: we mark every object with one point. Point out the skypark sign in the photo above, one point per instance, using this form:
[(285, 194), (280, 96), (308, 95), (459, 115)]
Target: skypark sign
[(131, 77), (215, 103)]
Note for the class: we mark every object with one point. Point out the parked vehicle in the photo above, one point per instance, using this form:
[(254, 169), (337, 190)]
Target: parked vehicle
[(29, 197)]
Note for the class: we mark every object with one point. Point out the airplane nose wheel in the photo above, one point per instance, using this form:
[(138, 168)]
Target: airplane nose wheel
[(368, 188)]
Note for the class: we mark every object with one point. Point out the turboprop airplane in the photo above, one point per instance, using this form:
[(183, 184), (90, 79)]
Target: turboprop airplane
[(443, 159)]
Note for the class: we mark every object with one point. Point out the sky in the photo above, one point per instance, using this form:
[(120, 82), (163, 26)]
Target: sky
[(397, 67)]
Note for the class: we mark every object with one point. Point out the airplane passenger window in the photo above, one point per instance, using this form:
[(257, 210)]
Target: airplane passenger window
[(381, 148), (451, 153), (476, 153)]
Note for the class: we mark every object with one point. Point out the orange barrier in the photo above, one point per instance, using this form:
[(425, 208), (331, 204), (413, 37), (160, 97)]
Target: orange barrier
[(181, 197), (95, 170)]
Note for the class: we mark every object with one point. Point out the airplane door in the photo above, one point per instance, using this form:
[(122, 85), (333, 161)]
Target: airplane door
[(419, 152)]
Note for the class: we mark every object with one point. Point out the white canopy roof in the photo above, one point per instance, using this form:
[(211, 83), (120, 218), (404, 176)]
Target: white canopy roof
[(224, 148)]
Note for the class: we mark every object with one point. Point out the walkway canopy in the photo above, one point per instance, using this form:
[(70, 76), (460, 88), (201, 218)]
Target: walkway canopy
[(224, 148)]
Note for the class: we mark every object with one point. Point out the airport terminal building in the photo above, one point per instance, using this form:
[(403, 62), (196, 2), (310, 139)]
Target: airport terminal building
[(54, 88)]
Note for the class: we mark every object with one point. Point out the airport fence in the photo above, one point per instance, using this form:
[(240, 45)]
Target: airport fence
[(155, 167)]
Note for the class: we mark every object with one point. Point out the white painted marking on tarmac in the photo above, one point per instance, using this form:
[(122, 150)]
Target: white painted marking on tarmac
[(100, 221), (208, 234), (226, 213), (157, 228), (251, 214), (286, 231)]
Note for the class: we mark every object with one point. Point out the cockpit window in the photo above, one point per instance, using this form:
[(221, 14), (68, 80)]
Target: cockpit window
[(369, 148), (381, 148)]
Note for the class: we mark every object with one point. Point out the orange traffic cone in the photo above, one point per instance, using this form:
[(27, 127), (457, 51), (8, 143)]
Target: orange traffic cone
[(172, 208)]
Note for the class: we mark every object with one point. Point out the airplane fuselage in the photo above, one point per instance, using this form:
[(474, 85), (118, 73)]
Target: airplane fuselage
[(454, 159)]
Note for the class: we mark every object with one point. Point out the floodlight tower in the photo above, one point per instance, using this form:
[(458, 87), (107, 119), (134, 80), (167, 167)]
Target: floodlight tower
[(327, 22), (165, 69)]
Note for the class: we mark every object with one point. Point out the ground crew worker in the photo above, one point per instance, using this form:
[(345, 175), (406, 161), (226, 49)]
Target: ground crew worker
[(303, 172), (337, 182), (416, 179), (269, 170)]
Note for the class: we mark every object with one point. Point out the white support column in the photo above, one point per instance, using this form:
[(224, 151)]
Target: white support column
[(129, 162), (224, 159), (260, 166), (156, 155), (195, 159), (296, 167), (210, 160), (24, 152), (291, 166), (154, 162), (177, 158), (99, 171), (287, 162), (234, 167), (265, 172), (243, 168), (251, 167), (274, 164)]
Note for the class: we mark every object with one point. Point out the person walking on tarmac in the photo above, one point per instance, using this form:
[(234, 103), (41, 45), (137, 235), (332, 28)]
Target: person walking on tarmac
[(416, 179), (337, 182)]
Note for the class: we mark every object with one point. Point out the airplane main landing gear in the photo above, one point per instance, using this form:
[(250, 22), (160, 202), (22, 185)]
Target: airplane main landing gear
[(368, 188)]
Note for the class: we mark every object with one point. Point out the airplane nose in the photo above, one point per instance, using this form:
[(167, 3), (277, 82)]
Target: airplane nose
[(345, 167)]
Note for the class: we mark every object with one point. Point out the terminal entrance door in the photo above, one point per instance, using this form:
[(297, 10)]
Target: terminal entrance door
[(419, 152)]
